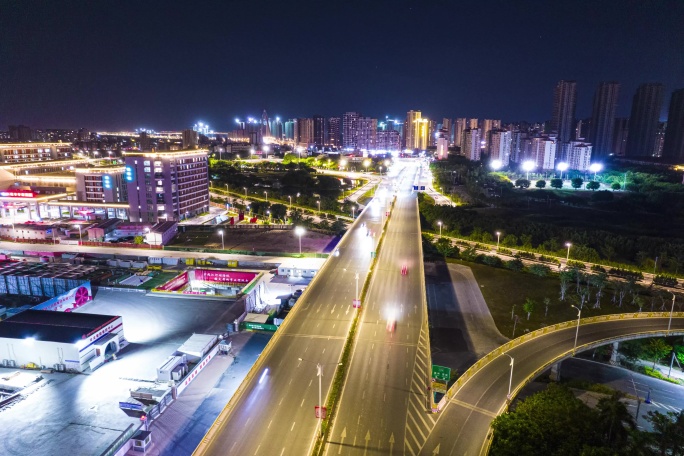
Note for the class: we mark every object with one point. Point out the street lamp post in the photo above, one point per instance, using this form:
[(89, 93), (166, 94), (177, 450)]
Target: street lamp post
[(567, 258), (579, 315), (266, 193), (223, 246), (510, 378), (290, 196), (669, 323), (498, 235), (319, 206), (439, 223), (353, 212), (245, 188), (227, 188), (299, 231), (319, 373)]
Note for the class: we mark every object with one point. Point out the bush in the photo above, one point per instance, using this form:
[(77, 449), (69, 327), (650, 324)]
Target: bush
[(504, 251), (597, 268), (491, 260), (526, 255), (539, 270), (576, 264), (665, 281), (549, 259), (514, 265), (626, 274)]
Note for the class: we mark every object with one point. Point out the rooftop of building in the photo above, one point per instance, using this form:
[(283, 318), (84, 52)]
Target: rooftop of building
[(163, 227), (165, 153), (47, 325), (15, 145), (104, 224), (53, 270)]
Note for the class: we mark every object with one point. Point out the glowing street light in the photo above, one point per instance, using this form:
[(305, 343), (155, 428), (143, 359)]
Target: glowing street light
[(343, 163), (595, 168), (299, 231), (528, 166), (496, 164), (80, 236), (319, 206), (439, 223), (245, 189), (568, 245), (266, 193), (290, 196), (223, 247), (366, 164), (498, 235), (579, 315), (562, 166)]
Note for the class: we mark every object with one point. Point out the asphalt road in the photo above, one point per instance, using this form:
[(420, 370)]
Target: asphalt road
[(273, 411), (462, 426), (384, 405)]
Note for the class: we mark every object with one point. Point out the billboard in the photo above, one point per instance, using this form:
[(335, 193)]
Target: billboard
[(72, 299)]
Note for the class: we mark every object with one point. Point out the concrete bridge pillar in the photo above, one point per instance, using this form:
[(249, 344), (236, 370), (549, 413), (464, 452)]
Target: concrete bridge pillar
[(555, 372), (614, 354)]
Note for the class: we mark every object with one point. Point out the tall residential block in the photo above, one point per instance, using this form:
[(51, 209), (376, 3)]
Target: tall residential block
[(334, 132), (500, 146), (673, 148), (577, 155), (603, 118), (388, 140), (473, 123), (190, 139), (543, 152), (349, 129), (620, 136), (366, 132), (470, 144), (643, 121), (304, 132), (487, 126), (411, 129), (563, 115), (164, 186), (320, 131), (460, 124)]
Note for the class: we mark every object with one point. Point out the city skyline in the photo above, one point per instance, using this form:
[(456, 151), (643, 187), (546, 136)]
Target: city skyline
[(173, 71)]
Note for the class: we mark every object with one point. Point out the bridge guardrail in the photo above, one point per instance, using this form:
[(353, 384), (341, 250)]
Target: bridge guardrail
[(482, 362), (206, 441)]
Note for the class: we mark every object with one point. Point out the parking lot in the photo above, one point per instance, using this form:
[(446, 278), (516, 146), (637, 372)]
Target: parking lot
[(79, 414)]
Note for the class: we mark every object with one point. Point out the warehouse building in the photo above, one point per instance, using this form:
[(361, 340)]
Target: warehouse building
[(65, 341)]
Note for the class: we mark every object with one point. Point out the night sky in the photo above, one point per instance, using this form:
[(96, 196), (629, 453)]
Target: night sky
[(165, 65)]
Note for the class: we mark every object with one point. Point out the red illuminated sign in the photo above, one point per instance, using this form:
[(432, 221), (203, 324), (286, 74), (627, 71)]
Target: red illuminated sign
[(18, 193)]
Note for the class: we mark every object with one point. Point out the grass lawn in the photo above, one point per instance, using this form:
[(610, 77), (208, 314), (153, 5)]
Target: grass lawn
[(502, 289)]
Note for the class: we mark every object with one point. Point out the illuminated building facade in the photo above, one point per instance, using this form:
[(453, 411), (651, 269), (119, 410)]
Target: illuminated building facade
[(164, 186), (500, 146), (33, 152), (577, 155), (470, 144), (101, 185)]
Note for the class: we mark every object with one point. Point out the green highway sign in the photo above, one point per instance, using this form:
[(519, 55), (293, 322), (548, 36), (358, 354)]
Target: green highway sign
[(441, 373)]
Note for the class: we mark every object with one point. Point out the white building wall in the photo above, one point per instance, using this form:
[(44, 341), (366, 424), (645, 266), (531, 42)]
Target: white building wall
[(578, 155), (41, 353)]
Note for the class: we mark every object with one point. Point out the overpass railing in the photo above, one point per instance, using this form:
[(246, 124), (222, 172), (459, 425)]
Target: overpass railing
[(489, 357)]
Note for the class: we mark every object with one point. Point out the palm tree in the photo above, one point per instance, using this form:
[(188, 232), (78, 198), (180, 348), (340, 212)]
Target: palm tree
[(615, 420)]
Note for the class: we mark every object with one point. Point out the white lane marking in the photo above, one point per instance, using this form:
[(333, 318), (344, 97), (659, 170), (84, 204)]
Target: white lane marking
[(269, 424), (293, 423), (257, 450), (302, 403)]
